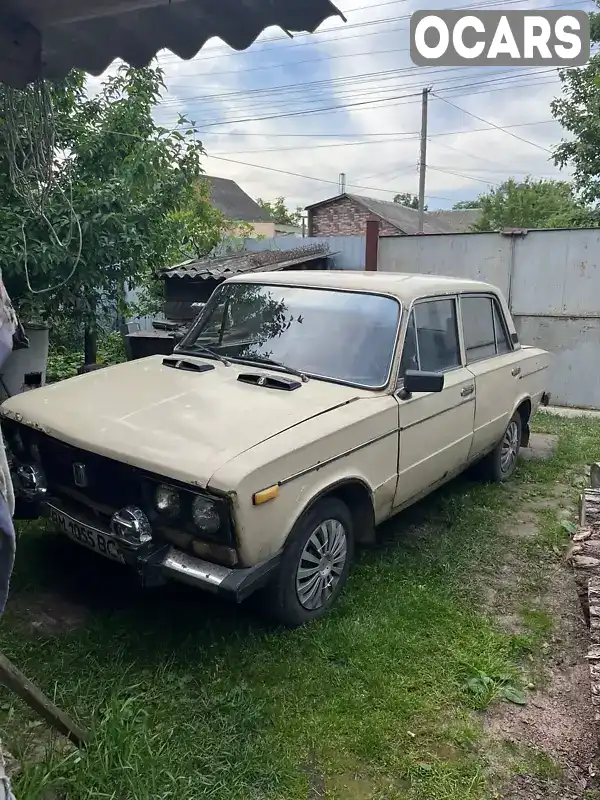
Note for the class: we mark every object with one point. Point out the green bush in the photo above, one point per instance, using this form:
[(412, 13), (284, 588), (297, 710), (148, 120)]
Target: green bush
[(63, 362)]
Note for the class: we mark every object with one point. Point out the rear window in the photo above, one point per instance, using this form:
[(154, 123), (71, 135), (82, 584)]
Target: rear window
[(484, 329)]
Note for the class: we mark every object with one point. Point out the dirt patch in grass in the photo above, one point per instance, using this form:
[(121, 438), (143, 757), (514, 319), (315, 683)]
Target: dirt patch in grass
[(547, 748), (48, 614)]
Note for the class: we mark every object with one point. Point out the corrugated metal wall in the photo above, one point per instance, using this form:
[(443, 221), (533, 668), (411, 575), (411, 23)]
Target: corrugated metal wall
[(348, 252), (552, 280)]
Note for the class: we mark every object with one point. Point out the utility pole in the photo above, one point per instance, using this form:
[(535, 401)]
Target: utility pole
[(423, 159)]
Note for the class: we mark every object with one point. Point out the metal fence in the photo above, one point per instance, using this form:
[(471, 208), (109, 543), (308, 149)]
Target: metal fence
[(551, 279)]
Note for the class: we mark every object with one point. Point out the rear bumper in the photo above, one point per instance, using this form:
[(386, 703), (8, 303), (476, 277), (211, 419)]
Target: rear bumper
[(156, 564)]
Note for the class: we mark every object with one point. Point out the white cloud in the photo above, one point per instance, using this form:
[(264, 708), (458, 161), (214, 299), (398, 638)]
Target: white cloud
[(343, 65)]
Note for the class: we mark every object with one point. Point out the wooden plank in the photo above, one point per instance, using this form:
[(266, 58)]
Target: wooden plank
[(11, 677)]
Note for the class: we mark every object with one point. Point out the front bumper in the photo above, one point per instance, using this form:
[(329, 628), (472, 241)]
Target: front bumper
[(157, 563)]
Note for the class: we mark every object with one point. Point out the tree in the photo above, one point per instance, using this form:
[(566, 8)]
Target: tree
[(530, 204), (578, 111), (121, 204), (466, 204), (279, 212), (408, 200)]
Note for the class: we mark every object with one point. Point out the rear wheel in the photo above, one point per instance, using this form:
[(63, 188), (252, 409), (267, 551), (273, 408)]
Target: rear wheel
[(315, 564), (500, 464)]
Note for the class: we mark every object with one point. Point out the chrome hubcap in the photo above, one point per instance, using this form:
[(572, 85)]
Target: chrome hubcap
[(321, 564), (510, 447)]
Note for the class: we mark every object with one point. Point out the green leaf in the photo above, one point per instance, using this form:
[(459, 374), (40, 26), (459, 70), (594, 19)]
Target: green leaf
[(514, 695), (569, 526)]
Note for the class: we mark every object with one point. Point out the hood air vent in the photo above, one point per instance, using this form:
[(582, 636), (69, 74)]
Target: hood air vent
[(189, 366), (270, 381)]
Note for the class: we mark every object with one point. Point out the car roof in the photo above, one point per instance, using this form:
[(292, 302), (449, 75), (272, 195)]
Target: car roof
[(403, 285)]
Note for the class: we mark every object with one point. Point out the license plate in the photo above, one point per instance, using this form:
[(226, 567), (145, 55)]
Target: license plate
[(91, 538)]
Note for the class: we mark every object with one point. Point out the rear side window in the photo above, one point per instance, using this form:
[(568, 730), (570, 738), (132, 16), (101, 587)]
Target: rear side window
[(431, 342), (483, 328), (502, 341)]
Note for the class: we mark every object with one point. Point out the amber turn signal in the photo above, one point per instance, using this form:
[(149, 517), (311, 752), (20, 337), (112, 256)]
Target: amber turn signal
[(265, 495)]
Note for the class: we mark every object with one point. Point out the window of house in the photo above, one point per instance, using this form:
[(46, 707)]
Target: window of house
[(431, 342), (483, 328)]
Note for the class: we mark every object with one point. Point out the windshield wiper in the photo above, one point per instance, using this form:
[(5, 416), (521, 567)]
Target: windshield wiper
[(271, 363), (202, 348)]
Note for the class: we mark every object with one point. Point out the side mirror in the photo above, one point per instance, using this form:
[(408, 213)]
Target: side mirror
[(417, 381)]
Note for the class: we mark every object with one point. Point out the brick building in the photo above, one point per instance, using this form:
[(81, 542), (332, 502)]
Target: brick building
[(347, 215)]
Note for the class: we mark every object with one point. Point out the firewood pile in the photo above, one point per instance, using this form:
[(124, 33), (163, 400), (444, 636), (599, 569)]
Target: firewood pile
[(584, 559)]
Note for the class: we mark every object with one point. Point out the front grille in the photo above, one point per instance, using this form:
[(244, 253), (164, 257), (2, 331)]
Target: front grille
[(110, 485), (70, 470)]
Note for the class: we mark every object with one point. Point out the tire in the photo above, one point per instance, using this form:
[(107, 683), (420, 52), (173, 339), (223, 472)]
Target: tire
[(295, 599), (499, 465)]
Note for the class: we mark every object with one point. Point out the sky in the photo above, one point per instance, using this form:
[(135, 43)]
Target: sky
[(347, 98)]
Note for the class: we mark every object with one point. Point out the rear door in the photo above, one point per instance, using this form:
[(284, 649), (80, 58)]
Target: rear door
[(495, 365), (436, 428)]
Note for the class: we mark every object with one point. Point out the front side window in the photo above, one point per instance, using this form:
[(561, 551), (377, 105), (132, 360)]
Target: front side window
[(342, 336), (484, 330), (431, 343)]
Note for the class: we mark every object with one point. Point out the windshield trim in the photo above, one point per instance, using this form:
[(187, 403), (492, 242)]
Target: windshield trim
[(181, 346)]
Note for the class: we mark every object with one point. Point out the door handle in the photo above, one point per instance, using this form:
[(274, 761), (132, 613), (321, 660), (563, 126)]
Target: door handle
[(516, 371), (467, 391)]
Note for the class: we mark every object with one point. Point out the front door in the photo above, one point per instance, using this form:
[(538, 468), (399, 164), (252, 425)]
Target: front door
[(436, 428)]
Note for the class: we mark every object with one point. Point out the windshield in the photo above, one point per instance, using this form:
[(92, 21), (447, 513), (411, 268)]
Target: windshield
[(342, 336)]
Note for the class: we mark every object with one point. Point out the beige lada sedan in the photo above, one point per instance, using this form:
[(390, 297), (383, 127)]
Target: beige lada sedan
[(300, 410)]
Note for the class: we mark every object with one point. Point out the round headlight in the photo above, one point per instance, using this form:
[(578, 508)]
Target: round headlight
[(167, 501), (205, 515)]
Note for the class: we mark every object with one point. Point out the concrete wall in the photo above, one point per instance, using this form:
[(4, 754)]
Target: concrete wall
[(552, 281)]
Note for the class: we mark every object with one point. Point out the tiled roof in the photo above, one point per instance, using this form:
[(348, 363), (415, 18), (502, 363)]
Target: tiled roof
[(458, 221), (222, 267), (47, 38), (233, 202), (406, 219)]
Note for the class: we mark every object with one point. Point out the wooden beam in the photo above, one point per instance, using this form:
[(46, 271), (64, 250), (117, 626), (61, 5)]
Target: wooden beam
[(11, 677)]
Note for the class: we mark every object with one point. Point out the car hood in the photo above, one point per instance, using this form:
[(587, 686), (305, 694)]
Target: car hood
[(180, 424)]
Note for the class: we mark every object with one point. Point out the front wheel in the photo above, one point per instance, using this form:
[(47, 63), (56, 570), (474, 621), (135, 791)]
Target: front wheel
[(315, 564), (500, 464)]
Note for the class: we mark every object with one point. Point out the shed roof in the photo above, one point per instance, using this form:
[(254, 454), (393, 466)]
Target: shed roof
[(233, 202), (221, 267), (48, 38)]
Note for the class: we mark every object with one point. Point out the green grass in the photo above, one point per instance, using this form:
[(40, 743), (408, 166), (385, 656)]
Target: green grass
[(188, 697)]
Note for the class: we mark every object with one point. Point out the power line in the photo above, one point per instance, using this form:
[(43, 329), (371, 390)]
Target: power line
[(323, 135), (471, 155), (493, 124), (346, 83), (461, 175), (408, 136), (393, 98), (321, 180)]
